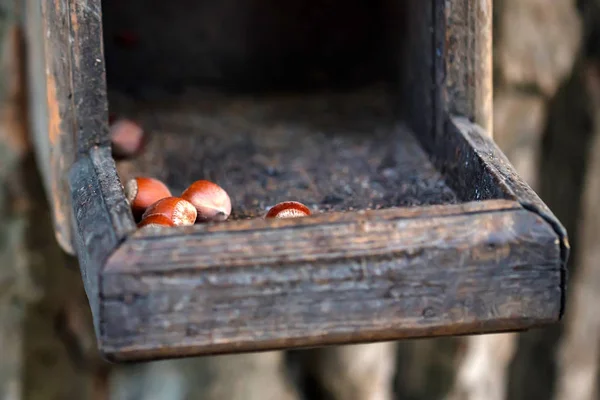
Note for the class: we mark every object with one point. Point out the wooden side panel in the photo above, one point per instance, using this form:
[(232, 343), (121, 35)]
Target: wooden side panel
[(68, 95), (102, 218), (90, 104), (447, 65), (380, 275), (455, 77), (469, 155), (49, 84), (468, 89), (486, 160)]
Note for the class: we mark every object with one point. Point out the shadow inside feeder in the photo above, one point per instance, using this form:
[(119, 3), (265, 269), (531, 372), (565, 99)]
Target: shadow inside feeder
[(274, 101)]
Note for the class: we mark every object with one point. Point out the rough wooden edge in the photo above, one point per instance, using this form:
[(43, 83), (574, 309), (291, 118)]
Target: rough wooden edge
[(259, 224), (117, 272), (76, 109), (89, 98), (468, 89), (497, 168), (455, 77), (156, 354), (51, 115), (101, 219)]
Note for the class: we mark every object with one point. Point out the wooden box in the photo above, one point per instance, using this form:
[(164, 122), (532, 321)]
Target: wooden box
[(373, 113)]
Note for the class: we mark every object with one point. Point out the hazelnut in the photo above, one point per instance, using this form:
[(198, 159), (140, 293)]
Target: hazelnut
[(178, 211), (288, 209), (127, 138), (155, 220), (211, 201), (142, 192)]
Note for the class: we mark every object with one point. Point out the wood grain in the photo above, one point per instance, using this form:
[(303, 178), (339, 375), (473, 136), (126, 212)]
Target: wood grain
[(332, 218), (49, 75), (455, 77), (88, 96), (367, 279), (467, 63), (493, 169), (68, 92), (102, 219)]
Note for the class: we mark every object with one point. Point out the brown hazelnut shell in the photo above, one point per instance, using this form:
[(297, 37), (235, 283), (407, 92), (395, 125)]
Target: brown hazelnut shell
[(142, 192), (155, 220), (179, 211), (211, 201), (288, 209)]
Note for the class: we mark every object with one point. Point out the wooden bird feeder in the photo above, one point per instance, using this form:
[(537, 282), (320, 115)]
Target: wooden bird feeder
[(372, 113)]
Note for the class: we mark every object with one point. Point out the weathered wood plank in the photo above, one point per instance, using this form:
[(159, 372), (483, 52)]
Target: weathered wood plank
[(88, 97), (455, 77), (363, 280), (49, 73), (467, 62), (493, 169), (101, 219), (333, 218), (68, 92), (119, 210), (478, 170)]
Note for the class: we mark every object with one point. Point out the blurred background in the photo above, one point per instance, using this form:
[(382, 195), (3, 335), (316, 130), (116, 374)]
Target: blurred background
[(546, 119)]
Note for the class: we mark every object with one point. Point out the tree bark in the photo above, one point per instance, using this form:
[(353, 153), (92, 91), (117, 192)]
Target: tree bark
[(579, 350)]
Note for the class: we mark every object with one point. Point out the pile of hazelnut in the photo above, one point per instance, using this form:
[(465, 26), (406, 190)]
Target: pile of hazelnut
[(152, 203)]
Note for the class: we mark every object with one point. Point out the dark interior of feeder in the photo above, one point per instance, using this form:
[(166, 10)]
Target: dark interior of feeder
[(272, 100)]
